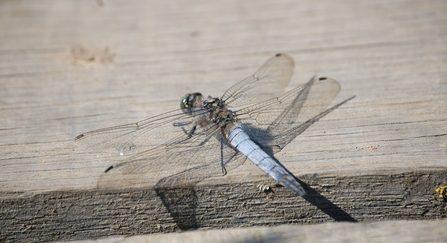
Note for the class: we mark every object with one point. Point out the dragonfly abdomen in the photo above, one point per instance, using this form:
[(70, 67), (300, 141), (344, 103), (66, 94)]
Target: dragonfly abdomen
[(242, 142)]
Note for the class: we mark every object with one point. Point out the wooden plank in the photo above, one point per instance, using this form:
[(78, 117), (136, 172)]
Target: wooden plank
[(75, 215), (73, 66), (387, 231)]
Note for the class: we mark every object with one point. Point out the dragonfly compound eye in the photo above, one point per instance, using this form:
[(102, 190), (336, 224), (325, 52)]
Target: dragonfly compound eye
[(190, 101)]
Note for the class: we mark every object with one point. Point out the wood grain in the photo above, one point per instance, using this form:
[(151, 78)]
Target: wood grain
[(385, 231), (67, 67)]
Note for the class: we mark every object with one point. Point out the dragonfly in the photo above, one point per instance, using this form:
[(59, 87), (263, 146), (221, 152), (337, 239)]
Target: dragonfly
[(254, 119)]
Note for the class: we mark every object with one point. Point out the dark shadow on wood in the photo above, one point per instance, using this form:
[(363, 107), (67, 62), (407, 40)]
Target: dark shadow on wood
[(181, 203), (316, 198), (325, 205)]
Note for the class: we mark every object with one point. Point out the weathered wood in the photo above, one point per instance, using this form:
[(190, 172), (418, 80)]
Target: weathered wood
[(73, 66), (69, 215), (386, 231)]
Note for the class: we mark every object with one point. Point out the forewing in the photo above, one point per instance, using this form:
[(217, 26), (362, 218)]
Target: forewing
[(269, 81), (276, 122), (121, 142)]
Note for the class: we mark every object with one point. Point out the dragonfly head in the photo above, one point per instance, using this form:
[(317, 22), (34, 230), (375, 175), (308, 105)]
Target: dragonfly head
[(190, 101)]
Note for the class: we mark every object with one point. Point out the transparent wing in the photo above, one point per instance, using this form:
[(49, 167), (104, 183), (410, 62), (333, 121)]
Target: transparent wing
[(121, 142), (276, 122), (203, 155), (269, 81), (177, 149)]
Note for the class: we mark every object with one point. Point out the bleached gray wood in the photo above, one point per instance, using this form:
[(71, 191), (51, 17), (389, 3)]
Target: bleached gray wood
[(387, 231), (67, 67)]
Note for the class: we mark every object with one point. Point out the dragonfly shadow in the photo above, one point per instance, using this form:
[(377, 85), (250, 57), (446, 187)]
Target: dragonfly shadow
[(325, 205), (181, 204), (316, 198)]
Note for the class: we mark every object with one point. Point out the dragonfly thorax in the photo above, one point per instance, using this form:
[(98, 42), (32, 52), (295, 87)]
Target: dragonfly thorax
[(212, 104), (219, 112)]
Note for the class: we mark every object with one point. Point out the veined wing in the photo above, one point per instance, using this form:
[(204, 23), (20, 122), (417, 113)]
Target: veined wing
[(269, 81), (130, 139), (203, 155), (121, 142), (276, 122)]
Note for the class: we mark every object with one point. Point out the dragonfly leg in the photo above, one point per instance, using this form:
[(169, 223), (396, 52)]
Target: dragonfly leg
[(222, 164), (190, 133)]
